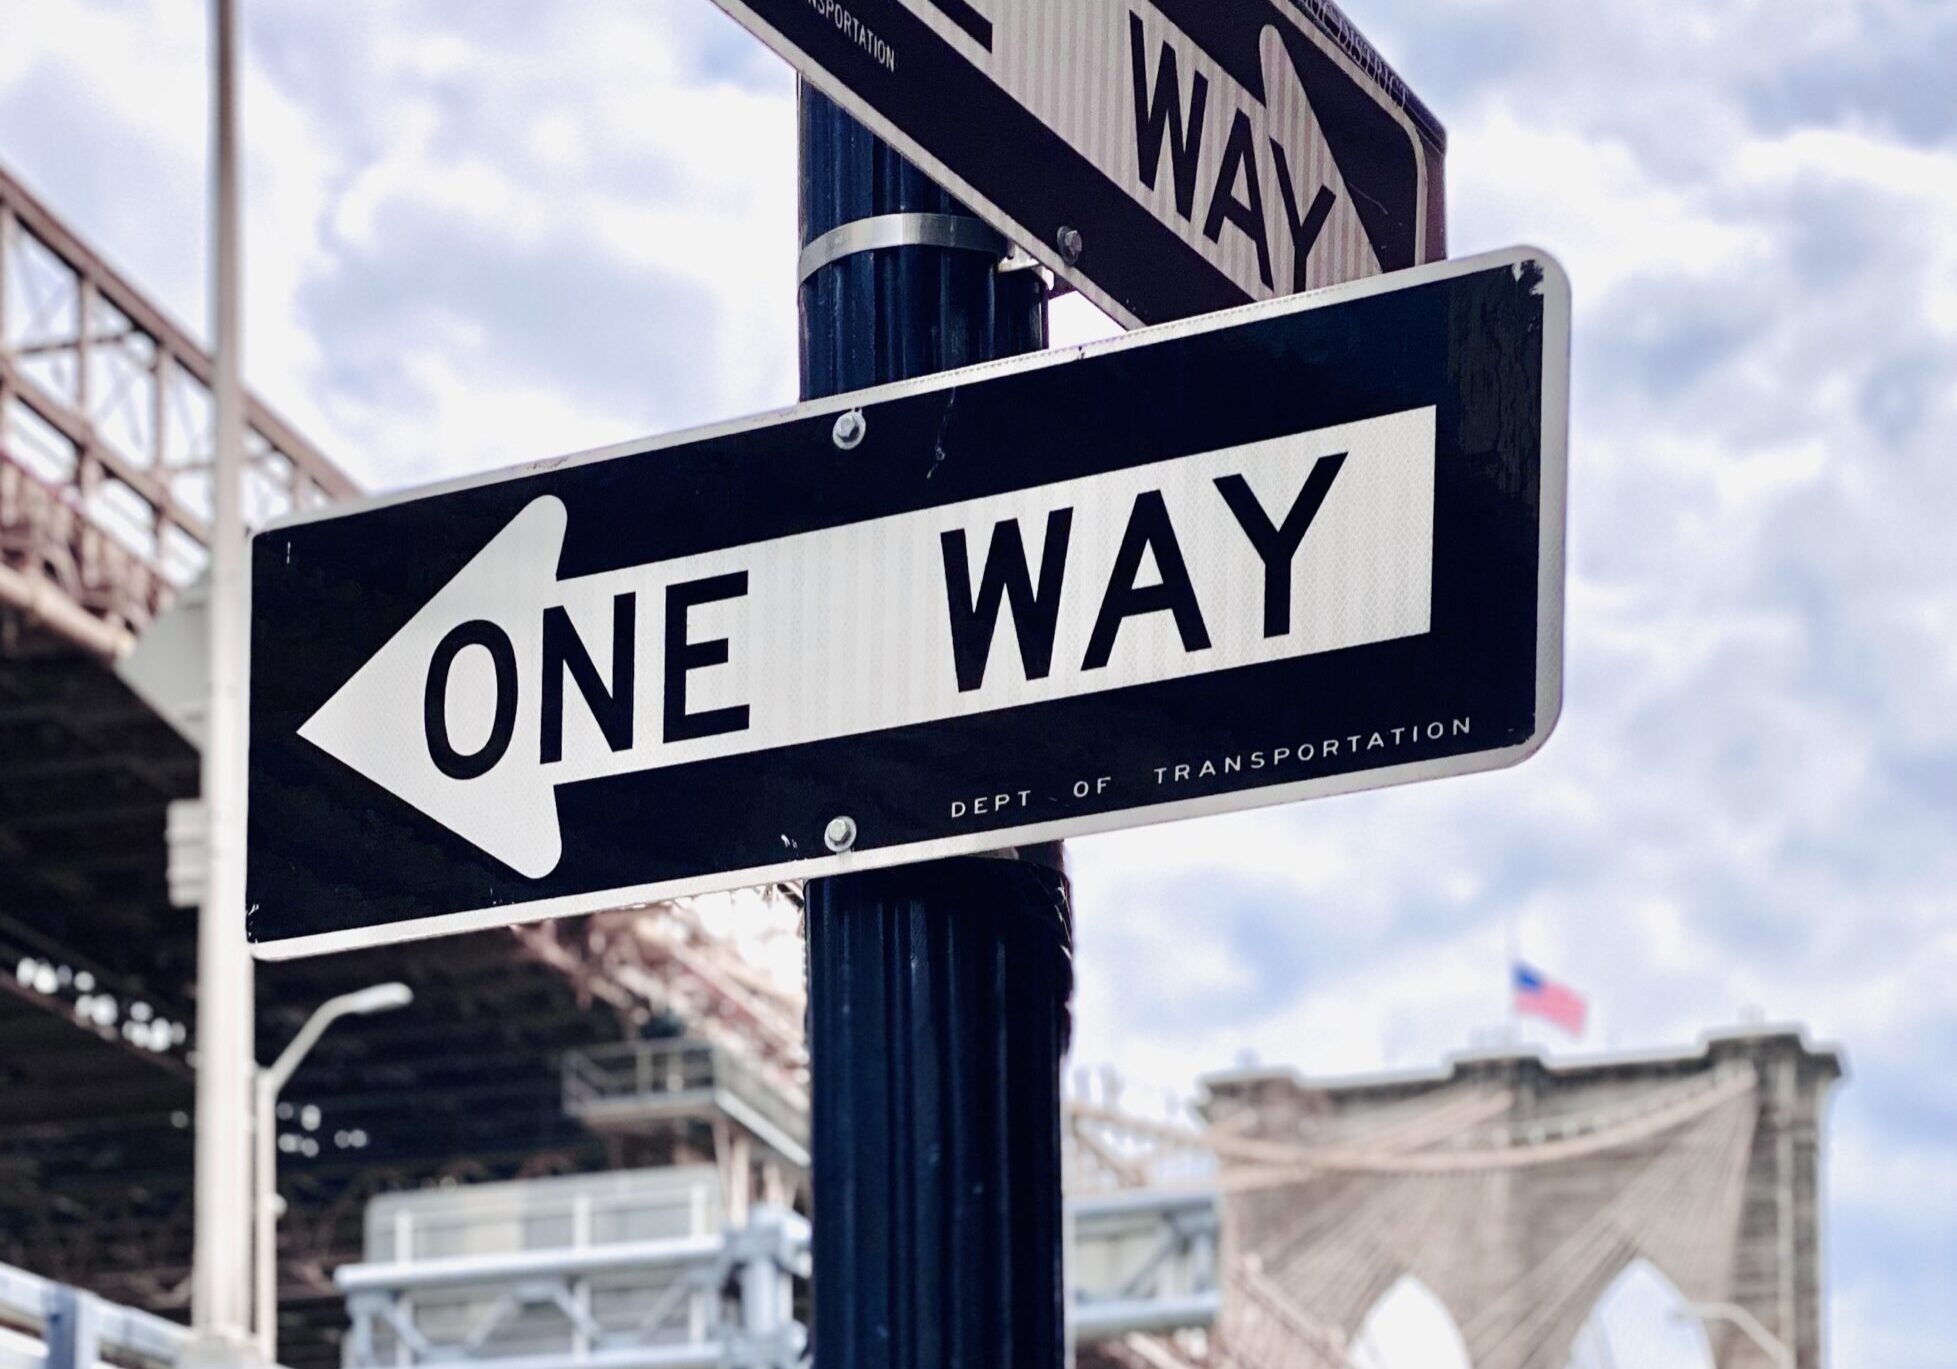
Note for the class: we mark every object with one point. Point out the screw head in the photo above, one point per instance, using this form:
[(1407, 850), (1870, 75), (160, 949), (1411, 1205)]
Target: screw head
[(840, 834), (850, 430), (1070, 243)]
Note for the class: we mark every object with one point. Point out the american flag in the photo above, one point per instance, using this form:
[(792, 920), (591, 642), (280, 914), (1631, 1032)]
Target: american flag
[(1537, 995)]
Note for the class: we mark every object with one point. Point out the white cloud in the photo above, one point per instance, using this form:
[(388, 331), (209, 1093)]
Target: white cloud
[(486, 233), (390, 112)]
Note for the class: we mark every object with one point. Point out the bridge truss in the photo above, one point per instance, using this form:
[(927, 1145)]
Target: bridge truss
[(105, 441)]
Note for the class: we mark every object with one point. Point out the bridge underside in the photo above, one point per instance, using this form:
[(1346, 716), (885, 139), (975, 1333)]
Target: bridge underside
[(86, 772), (105, 428), (97, 1026)]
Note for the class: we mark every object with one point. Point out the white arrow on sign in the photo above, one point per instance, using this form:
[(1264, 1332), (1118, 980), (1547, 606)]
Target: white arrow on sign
[(510, 682)]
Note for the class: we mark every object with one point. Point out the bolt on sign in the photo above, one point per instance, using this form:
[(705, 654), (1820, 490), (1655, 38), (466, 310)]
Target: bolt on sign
[(1306, 547), (1166, 157)]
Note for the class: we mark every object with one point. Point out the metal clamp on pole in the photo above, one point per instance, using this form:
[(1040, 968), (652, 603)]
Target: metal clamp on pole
[(954, 232)]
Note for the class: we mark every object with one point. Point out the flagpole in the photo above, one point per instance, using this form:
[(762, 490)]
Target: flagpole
[(1510, 1034)]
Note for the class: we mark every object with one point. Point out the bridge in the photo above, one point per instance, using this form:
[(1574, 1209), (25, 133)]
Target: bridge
[(1515, 1191)]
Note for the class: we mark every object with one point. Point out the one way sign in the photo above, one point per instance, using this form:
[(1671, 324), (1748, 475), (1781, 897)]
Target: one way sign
[(1309, 547), (1167, 157)]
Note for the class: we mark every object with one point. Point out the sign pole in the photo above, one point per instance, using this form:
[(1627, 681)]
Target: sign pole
[(938, 993)]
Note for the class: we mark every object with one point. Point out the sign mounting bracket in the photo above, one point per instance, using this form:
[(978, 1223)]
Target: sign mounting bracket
[(954, 232)]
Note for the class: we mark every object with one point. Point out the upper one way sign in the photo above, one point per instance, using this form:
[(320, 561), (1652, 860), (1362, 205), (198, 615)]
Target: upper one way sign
[(1305, 547), (1166, 157)]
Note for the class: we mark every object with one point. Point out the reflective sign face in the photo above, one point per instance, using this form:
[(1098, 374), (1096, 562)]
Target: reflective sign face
[(1205, 152), (1307, 548)]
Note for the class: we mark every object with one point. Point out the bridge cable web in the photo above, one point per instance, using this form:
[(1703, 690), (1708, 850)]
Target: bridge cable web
[(1324, 1227)]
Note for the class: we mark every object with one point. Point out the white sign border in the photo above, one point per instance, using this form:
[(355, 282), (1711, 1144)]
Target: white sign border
[(1549, 617)]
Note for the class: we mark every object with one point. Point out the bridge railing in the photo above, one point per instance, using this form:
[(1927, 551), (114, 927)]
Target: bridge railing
[(681, 1302), (49, 1325), (106, 402)]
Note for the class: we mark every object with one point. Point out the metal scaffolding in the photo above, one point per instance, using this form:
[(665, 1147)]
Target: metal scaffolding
[(683, 1302)]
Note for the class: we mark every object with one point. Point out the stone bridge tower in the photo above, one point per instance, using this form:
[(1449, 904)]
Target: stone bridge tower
[(1518, 1191)]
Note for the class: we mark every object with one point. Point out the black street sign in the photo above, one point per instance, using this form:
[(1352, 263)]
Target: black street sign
[(1307, 547), (1167, 157)]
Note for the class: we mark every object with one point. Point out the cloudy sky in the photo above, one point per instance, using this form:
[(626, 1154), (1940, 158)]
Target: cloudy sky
[(487, 232)]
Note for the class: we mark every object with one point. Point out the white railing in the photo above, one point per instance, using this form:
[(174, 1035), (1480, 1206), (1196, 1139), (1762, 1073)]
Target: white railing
[(685, 1302), (44, 1323), (1140, 1262)]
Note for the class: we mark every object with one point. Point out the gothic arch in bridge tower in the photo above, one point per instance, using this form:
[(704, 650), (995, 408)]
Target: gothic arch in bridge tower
[(1636, 1291), (1641, 1321), (1409, 1327), (1520, 1194)]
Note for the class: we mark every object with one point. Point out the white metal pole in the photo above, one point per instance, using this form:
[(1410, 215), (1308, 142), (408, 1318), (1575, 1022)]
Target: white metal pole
[(267, 1084), (1510, 958), (221, 1271), (265, 1243)]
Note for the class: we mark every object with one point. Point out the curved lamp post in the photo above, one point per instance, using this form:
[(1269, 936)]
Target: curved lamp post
[(270, 1080)]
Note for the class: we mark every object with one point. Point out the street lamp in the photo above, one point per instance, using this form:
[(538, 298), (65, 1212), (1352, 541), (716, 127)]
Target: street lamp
[(270, 1080), (1749, 1325)]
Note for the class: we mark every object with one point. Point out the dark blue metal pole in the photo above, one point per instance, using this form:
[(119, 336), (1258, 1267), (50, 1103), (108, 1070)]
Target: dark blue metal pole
[(938, 993)]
